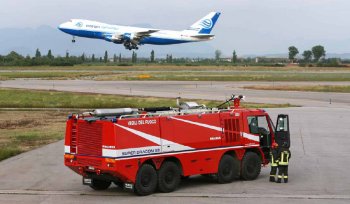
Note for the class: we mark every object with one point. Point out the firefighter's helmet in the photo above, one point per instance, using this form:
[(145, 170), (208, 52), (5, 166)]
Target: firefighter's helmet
[(274, 145)]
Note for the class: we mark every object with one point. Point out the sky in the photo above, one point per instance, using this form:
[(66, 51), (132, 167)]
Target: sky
[(247, 26)]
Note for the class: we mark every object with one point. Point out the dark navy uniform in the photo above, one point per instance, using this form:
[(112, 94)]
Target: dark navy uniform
[(274, 164)]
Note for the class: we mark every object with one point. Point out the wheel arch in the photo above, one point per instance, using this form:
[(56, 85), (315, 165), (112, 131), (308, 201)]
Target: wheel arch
[(150, 162), (236, 153), (257, 151), (175, 160)]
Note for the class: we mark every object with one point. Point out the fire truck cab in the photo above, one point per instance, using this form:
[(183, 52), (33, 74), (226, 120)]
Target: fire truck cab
[(153, 148)]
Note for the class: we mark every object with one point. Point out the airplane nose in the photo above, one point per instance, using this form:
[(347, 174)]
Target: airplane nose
[(60, 27)]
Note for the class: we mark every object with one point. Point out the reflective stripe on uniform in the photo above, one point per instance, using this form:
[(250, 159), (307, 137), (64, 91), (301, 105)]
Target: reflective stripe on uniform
[(285, 177), (284, 158), (273, 162), (279, 176)]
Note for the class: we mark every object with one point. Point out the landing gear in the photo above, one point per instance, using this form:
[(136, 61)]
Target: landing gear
[(130, 46), (73, 40)]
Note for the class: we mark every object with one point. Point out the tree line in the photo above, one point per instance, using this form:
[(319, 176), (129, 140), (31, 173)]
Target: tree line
[(314, 56)]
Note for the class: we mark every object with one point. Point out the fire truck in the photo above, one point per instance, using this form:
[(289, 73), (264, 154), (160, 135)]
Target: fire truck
[(152, 149)]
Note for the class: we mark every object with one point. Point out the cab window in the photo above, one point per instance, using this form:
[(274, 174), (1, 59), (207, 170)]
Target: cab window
[(282, 125), (258, 124)]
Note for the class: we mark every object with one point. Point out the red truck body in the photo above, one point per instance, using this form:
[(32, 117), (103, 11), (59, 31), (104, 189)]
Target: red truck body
[(115, 148)]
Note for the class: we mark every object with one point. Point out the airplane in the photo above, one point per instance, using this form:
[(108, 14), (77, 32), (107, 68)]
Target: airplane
[(132, 37)]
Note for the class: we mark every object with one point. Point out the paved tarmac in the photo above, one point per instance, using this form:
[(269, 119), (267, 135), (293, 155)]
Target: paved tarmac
[(318, 170), (193, 90)]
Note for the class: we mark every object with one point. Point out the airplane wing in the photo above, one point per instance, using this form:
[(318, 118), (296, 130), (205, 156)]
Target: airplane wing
[(145, 33), (134, 37)]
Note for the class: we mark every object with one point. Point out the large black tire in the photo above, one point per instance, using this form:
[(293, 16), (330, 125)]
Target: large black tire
[(251, 166), (169, 177), (228, 169), (146, 180), (99, 185)]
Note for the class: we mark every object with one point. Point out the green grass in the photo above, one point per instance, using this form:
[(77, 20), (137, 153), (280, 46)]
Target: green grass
[(319, 88), (17, 98), (188, 75), (49, 75), (21, 131), (166, 67), (9, 151), (230, 76), (22, 141)]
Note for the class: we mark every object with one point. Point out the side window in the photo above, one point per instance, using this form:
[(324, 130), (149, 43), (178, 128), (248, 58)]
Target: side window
[(262, 123), (258, 124), (282, 124), (253, 124)]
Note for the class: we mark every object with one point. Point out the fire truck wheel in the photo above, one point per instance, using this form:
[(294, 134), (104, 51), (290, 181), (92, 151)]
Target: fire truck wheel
[(169, 177), (146, 180), (251, 166), (228, 169), (98, 185)]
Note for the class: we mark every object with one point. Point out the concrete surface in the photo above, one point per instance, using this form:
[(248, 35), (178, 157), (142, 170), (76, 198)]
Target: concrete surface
[(318, 171), (193, 89)]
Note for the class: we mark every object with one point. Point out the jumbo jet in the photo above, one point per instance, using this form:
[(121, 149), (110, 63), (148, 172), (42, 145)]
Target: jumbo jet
[(132, 37)]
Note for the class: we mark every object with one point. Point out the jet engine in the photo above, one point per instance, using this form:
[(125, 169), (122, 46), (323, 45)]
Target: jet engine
[(128, 36)]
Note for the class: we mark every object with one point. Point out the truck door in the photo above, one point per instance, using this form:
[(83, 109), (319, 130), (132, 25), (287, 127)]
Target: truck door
[(258, 125), (232, 128), (282, 133)]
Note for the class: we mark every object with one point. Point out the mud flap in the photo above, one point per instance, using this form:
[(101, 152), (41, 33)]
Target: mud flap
[(129, 186), (87, 181)]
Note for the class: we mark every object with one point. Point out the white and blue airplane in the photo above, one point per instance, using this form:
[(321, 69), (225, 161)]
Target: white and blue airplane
[(132, 37)]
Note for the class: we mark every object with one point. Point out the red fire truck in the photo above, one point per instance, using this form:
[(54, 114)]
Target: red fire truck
[(153, 148)]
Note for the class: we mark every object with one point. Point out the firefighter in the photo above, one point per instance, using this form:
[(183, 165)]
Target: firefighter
[(274, 161), (283, 161)]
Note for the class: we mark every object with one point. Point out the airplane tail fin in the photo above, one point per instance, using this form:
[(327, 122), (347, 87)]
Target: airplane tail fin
[(206, 24)]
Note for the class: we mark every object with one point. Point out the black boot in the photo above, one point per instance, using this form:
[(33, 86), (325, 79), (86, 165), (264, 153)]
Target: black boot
[(286, 180), (272, 179), (278, 180)]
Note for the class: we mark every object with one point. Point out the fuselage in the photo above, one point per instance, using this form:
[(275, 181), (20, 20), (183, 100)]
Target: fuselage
[(98, 30), (131, 37)]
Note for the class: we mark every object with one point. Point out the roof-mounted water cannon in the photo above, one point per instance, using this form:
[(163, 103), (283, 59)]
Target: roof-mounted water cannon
[(236, 101)]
